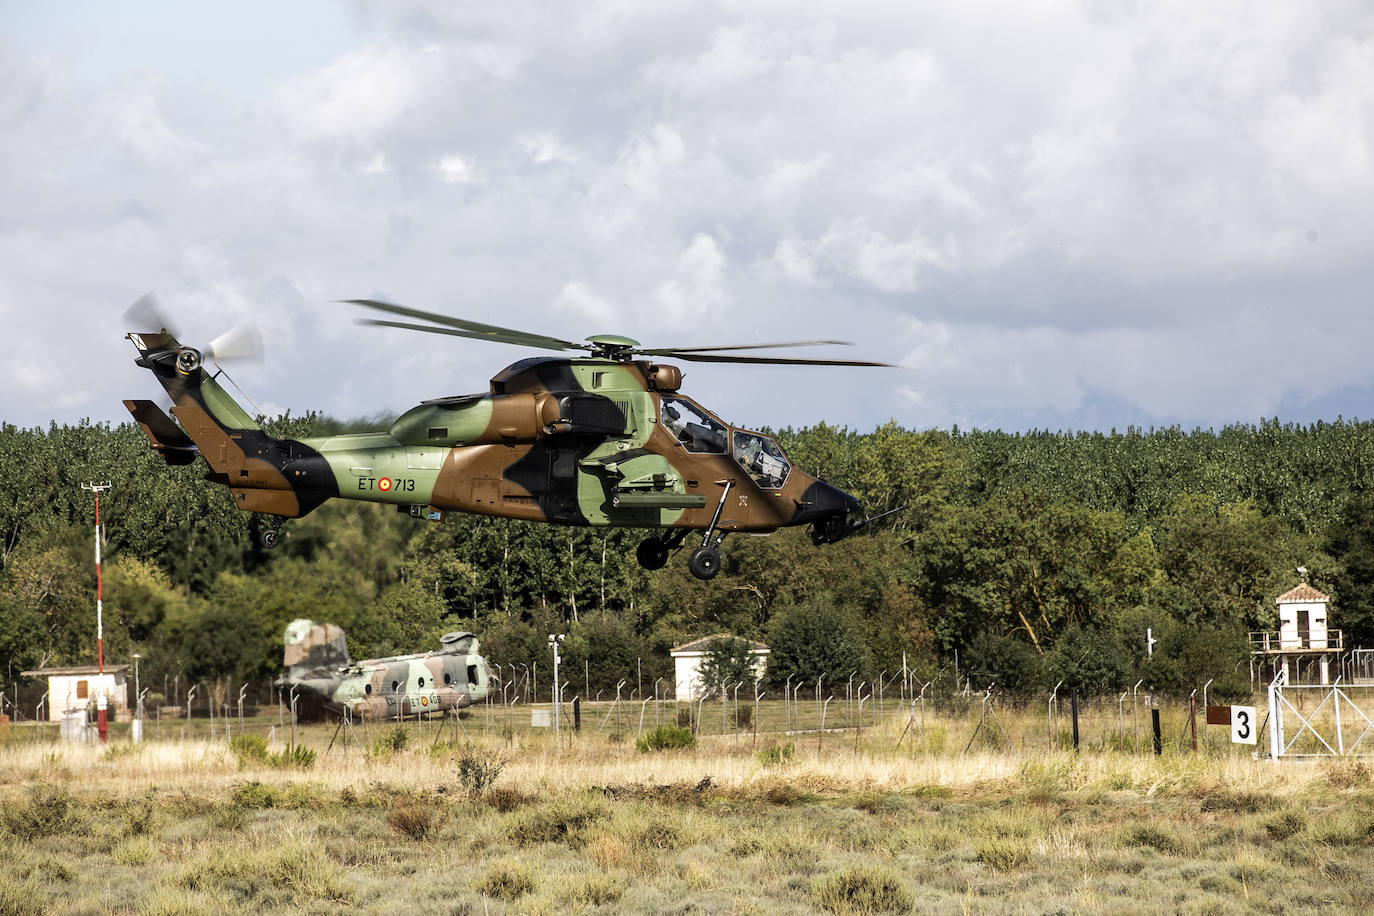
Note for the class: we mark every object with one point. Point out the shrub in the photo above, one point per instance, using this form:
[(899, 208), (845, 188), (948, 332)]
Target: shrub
[(415, 821), (776, 754), (505, 881), (248, 749), (1150, 835), (1004, 855), (861, 890), (477, 774), (1285, 824), (49, 811), (744, 716), (596, 889), (295, 755), (254, 795), (561, 820), (665, 738), (389, 742)]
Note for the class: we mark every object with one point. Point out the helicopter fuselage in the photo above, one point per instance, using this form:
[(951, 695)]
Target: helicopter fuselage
[(580, 441)]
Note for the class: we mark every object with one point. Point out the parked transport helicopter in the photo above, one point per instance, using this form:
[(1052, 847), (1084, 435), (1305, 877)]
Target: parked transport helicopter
[(318, 665), (606, 439)]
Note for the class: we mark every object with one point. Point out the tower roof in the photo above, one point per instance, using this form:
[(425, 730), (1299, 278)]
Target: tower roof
[(1302, 594)]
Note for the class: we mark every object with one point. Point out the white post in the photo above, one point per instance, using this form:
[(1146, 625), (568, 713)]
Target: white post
[(1275, 718)]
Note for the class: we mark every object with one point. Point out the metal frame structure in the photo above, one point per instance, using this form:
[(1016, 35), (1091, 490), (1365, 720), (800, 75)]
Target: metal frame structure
[(1350, 707)]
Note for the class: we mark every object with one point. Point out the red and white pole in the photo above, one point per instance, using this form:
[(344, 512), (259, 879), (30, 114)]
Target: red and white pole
[(102, 699)]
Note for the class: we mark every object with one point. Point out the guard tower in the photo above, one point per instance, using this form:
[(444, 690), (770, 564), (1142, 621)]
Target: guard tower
[(1303, 636)]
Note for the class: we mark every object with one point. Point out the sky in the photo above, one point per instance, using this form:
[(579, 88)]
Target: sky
[(1062, 215)]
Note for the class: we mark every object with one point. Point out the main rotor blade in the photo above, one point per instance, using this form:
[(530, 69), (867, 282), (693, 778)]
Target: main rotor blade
[(672, 351), (541, 343), (776, 360), (462, 328)]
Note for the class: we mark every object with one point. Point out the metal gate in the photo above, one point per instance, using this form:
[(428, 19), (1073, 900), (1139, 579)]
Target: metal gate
[(1320, 720)]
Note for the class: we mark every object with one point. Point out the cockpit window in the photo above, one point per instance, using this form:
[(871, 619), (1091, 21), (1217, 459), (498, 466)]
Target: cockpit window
[(697, 430), (761, 457)]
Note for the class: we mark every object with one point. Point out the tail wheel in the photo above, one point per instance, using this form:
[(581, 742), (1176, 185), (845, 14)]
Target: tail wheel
[(268, 538), (652, 553), (704, 563)]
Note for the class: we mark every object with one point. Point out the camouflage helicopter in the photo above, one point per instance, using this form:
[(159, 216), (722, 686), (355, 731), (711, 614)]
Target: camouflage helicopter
[(318, 664), (606, 439)]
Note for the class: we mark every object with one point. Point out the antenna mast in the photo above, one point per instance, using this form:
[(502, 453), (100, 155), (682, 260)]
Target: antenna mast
[(97, 489)]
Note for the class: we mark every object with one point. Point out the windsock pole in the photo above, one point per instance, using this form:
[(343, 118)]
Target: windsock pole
[(102, 700)]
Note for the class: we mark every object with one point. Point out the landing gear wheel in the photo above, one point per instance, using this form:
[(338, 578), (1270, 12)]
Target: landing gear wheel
[(267, 538), (652, 553), (704, 563)]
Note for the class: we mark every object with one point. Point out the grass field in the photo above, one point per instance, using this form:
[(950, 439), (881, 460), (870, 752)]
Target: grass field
[(520, 823)]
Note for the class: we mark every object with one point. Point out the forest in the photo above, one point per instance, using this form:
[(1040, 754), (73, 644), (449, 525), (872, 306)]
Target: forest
[(1020, 558)]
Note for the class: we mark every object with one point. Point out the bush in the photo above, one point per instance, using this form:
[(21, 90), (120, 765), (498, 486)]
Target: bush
[(50, 811), (775, 754), (1004, 854), (477, 774), (295, 755), (861, 890), (561, 820), (505, 881), (666, 738), (415, 821), (248, 749), (389, 742)]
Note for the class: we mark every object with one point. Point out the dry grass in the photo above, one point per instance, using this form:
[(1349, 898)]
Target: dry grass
[(597, 826)]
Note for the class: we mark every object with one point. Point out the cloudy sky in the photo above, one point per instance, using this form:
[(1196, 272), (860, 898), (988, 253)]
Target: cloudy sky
[(1064, 215)]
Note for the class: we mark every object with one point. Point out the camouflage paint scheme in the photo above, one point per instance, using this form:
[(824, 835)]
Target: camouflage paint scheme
[(317, 662), (569, 441)]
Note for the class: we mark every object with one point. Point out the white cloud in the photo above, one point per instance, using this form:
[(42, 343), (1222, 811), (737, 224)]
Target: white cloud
[(649, 160), (135, 117), (577, 299), (544, 148), (454, 170), (361, 95), (696, 293), (1115, 201)]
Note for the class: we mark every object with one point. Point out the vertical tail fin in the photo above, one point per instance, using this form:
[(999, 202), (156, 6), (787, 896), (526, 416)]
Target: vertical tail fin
[(276, 476)]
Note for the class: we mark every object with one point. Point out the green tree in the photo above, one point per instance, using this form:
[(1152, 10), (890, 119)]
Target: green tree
[(815, 639), (729, 661)]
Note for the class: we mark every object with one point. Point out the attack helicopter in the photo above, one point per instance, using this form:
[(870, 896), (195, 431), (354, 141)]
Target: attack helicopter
[(605, 439)]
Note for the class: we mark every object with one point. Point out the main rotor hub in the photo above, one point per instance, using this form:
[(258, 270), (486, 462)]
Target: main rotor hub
[(612, 346)]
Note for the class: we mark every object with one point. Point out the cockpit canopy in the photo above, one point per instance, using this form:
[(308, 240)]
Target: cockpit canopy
[(697, 430)]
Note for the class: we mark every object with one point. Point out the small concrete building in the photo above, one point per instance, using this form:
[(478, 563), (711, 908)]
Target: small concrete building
[(688, 657), (76, 687)]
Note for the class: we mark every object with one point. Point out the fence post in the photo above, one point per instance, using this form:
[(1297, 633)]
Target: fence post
[(1073, 702), (1159, 740)]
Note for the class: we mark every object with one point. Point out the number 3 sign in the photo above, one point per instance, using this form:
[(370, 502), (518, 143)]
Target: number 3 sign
[(1243, 728)]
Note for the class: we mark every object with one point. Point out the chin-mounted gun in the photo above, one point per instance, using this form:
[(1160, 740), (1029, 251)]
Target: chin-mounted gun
[(838, 527)]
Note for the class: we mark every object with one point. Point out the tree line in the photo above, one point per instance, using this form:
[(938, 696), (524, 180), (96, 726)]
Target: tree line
[(1027, 559)]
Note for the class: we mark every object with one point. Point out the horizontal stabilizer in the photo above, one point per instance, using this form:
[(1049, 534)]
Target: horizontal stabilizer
[(166, 438)]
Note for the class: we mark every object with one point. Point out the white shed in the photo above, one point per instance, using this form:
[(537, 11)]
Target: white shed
[(687, 659), (75, 687), (1302, 618)]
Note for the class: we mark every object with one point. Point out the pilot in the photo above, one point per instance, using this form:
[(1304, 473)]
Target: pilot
[(673, 420)]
